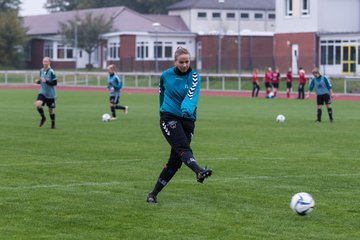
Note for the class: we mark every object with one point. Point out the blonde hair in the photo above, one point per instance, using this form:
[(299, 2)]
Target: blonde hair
[(112, 67), (181, 51)]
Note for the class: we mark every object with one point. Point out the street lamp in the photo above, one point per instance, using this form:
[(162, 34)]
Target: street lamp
[(77, 22), (156, 26), (219, 39)]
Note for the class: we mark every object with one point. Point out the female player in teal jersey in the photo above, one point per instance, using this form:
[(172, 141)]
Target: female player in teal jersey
[(179, 94), (324, 93), (47, 92), (114, 86)]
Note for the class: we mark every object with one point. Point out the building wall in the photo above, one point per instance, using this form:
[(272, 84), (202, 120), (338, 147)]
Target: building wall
[(37, 52), (256, 51), (210, 25), (308, 50)]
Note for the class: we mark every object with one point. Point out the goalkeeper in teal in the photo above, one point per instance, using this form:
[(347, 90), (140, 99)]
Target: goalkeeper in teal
[(47, 92), (324, 93), (179, 95), (114, 86)]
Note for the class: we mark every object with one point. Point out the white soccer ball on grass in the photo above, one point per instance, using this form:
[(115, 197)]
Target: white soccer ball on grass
[(280, 118), (106, 117), (302, 203)]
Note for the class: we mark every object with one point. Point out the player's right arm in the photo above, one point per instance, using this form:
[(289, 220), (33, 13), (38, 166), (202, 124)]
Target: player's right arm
[(161, 90)]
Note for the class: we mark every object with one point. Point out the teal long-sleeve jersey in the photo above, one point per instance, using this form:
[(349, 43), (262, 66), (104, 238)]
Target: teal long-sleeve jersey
[(179, 92), (114, 84), (321, 84)]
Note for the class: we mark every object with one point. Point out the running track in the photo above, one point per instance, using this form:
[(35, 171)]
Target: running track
[(354, 97)]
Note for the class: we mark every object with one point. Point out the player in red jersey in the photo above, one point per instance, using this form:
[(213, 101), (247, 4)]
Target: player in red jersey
[(255, 81), (275, 80), (267, 81), (288, 82), (302, 82)]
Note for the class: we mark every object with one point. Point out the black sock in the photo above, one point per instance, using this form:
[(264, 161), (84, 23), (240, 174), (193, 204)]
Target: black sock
[(330, 113), (113, 111), (164, 178), (52, 116), (120, 107), (319, 115), (41, 112), (189, 160)]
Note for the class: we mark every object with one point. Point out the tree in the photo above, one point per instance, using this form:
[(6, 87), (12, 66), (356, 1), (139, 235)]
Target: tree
[(12, 34), (142, 6), (88, 31)]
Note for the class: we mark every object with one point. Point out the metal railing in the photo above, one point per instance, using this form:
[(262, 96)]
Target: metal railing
[(222, 82)]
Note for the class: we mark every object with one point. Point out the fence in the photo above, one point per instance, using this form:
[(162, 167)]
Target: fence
[(223, 82)]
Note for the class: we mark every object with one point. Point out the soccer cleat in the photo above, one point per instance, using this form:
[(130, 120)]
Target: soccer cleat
[(126, 110), (200, 177), (42, 122), (113, 118), (52, 125), (151, 198), (317, 121)]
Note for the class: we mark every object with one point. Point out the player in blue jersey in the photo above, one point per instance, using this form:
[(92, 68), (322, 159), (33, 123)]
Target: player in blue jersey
[(47, 92), (179, 95), (324, 93), (114, 86)]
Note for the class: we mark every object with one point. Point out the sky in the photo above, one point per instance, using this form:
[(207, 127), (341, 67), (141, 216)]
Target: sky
[(32, 7)]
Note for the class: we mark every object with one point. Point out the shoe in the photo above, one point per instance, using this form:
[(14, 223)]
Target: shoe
[(126, 110), (317, 121), (151, 198), (52, 125), (331, 120), (42, 122), (200, 177), (113, 118)]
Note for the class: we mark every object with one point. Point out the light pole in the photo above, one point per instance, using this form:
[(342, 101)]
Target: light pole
[(156, 26), (77, 22), (219, 39)]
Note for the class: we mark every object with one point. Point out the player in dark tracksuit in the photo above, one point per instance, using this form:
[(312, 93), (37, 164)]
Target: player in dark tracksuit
[(114, 86), (47, 92), (324, 93), (179, 94)]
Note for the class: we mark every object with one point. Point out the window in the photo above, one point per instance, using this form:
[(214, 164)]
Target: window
[(305, 8), (337, 55), (158, 52), (113, 53), (230, 15), (244, 15), (258, 16), (216, 15), (168, 50), (271, 16), (330, 55), (288, 7), (64, 52), (142, 50), (48, 50), (323, 55), (201, 14)]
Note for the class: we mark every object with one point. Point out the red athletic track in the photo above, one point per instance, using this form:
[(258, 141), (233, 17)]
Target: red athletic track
[(355, 97)]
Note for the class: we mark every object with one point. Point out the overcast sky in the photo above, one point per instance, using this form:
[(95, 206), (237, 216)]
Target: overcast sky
[(32, 7)]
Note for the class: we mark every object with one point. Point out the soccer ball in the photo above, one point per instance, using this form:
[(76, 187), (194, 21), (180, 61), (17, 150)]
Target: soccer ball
[(105, 117), (270, 95), (280, 118), (302, 203)]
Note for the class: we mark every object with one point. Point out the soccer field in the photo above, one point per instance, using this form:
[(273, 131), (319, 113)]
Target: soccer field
[(88, 179)]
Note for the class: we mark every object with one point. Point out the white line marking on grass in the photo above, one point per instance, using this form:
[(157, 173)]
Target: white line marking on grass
[(218, 179)]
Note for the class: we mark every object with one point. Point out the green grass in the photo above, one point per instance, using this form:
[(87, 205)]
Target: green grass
[(88, 179)]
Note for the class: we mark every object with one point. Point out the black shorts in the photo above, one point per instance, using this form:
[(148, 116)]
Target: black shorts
[(321, 99), (288, 84), (268, 85), (275, 85), (50, 102), (114, 99)]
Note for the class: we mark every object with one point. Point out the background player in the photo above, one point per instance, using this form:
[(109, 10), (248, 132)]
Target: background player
[(179, 95), (302, 82), (114, 86), (275, 80), (255, 81), (324, 93), (267, 81), (288, 82), (47, 92)]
